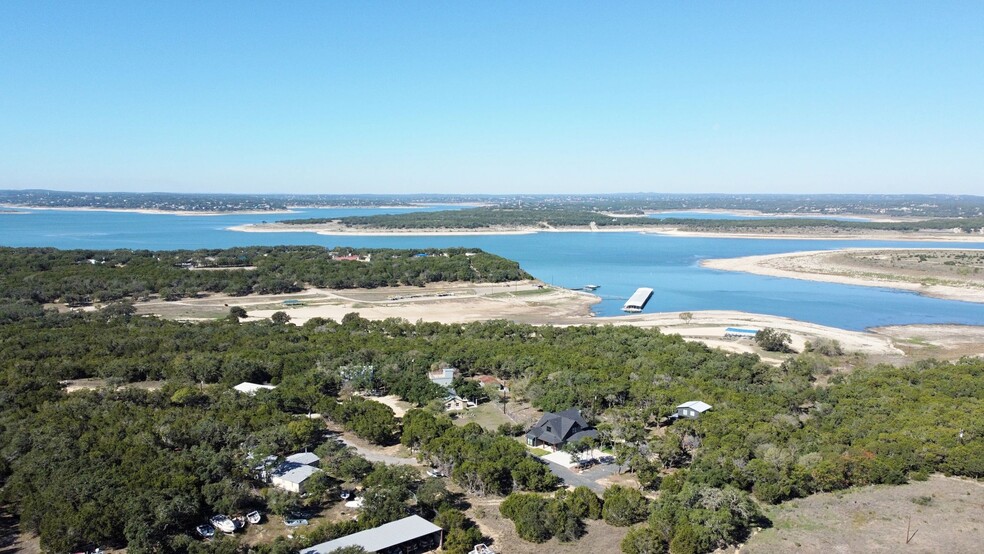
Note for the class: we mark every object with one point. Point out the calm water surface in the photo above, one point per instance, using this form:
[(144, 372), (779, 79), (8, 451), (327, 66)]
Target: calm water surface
[(619, 262)]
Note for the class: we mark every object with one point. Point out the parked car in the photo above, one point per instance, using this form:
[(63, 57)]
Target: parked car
[(585, 464)]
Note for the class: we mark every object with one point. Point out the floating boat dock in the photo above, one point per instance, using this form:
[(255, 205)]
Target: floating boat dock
[(638, 300), (589, 288)]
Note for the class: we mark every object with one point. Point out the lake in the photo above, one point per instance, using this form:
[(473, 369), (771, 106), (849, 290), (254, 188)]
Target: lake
[(619, 262)]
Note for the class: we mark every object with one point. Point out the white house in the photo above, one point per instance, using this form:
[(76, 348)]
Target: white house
[(692, 409), (292, 476)]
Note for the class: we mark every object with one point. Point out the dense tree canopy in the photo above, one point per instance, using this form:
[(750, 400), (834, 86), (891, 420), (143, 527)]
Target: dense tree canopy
[(41, 275), (175, 455)]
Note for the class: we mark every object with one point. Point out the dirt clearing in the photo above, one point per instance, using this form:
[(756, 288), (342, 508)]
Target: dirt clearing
[(940, 515)]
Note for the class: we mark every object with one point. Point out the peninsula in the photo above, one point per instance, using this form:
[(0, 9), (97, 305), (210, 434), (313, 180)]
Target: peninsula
[(952, 274)]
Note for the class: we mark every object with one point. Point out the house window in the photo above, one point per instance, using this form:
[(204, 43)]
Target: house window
[(549, 429)]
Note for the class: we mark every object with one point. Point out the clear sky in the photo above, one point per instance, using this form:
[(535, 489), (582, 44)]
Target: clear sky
[(492, 97)]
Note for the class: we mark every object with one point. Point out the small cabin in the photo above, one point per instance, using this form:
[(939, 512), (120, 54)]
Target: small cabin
[(692, 409)]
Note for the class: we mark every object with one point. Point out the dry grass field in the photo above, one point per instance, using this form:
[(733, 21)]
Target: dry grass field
[(940, 515)]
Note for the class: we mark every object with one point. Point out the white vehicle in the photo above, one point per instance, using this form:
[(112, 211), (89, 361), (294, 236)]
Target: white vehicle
[(223, 523)]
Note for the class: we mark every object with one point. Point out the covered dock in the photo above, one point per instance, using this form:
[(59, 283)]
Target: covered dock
[(638, 300)]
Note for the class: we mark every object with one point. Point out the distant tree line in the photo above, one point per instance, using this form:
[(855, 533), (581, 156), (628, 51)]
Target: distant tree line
[(916, 205), (579, 216)]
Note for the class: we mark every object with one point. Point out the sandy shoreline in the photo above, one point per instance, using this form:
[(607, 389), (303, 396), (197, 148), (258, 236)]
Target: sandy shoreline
[(921, 236), (339, 229), (323, 230), (810, 266), (756, 213), (522, 302)]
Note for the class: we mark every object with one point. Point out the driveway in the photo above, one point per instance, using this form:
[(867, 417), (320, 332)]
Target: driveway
[(587, 478), (563, 458)]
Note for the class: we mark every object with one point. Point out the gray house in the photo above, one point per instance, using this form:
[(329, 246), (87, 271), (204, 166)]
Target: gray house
[(692, 409), (555, 430)]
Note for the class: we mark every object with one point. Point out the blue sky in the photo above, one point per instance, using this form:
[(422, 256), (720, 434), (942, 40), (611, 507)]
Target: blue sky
[(492, 97)]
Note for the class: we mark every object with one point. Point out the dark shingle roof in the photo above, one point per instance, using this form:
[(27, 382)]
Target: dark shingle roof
[(561, 426)]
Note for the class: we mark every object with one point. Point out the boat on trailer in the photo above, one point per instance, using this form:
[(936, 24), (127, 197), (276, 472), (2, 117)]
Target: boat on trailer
[(223, 523)]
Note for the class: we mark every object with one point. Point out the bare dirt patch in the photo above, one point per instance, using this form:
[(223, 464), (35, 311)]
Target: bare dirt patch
[(942, 515), (600, 537), (75, 385), (526, 301), (946, 342)]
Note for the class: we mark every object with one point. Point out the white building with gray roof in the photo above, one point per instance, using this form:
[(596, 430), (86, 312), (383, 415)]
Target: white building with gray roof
[(410, 534), (292, 477)]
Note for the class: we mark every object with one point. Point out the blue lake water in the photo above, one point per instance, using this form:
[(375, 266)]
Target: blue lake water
[(619, 262)]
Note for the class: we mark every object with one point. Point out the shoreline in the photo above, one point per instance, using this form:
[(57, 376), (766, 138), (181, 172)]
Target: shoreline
[(521, 302), (769, 265), (898, 236), (146, 211), (288, 210), (341, 230), (785, 215)]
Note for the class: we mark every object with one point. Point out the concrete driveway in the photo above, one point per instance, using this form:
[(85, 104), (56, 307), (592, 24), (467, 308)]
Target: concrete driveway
[(563, 458), (587, 478)]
